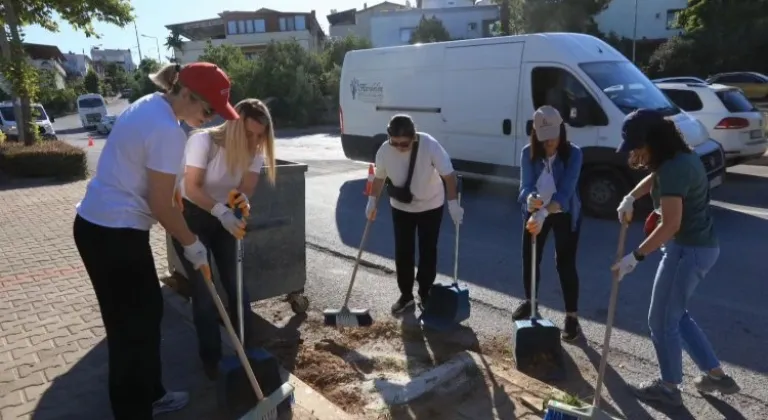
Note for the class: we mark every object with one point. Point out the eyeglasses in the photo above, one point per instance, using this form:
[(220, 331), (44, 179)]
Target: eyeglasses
[(207, 110), (400, 144)]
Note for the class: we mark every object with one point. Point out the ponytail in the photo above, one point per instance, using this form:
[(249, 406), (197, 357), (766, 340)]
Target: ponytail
[(167, 78)]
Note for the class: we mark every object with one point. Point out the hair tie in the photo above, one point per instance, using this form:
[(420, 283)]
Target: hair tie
[(178, 68)]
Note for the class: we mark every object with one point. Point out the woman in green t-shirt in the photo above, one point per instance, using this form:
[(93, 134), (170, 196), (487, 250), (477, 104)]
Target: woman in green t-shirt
[(679, 188)]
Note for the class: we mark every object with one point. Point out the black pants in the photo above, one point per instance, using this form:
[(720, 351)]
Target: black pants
[(406, 224), (223, 246), (566, 244), (122, 271)]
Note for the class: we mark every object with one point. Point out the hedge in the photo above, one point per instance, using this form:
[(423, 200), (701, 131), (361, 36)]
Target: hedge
[(45, 159)]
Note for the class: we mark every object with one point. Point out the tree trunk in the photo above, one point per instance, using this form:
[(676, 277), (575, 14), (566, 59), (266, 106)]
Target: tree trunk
[(505, 17), (21, 107)]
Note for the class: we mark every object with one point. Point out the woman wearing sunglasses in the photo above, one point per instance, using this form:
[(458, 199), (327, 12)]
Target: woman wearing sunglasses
[(417, 198), (223, 164), (132, 190), (550, 168)]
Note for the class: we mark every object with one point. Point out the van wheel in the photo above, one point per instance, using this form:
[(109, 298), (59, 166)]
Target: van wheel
[(601, 191)]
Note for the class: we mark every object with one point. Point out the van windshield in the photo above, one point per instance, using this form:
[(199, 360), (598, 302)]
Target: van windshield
[(37, 112), (90, 103), (627, 87)]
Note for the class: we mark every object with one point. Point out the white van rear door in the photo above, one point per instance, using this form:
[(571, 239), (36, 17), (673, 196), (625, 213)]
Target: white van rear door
[(480, 89)]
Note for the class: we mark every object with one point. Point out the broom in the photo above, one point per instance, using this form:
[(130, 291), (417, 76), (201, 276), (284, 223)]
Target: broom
[(346, 317), (266, 407), (560, 411)]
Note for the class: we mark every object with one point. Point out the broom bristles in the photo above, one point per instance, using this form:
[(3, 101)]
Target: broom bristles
[(345, 317)]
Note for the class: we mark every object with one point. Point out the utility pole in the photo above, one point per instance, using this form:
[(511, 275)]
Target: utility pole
[(138, 43), (157, 44), (634, 36)]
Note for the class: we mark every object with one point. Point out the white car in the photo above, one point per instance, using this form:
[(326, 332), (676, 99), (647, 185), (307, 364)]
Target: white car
[(105, 125), (731, 119), (680, 79)]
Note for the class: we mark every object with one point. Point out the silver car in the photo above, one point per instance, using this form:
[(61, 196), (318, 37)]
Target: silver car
[(105, 125)]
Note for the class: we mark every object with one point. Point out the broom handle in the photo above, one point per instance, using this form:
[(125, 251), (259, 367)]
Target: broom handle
[(456, 245), (364, 239), (206, 270), (609, 321), (239, 281)]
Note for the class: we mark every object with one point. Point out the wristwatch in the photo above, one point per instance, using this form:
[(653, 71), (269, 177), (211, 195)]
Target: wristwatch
[(638, 256)]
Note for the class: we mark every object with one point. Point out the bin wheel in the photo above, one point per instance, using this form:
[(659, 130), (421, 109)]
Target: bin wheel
[(299, 303)]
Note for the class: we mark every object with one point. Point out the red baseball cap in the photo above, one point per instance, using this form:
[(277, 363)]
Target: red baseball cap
[(210, 83)]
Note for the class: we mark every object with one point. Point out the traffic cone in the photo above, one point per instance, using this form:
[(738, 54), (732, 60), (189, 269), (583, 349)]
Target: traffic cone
[(369, 183), (90, 141)]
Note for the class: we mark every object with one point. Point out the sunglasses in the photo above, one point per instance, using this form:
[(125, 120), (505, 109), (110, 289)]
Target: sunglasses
[(400, 144), (207, 110)]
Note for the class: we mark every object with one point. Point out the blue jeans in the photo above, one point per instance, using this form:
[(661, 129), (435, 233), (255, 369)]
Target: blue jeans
[(223, 247), (672, 327)]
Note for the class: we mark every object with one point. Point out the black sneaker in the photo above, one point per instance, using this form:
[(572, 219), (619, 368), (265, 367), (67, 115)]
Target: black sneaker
[(423, 299), (572, 330), (402, 304), (522, 312)]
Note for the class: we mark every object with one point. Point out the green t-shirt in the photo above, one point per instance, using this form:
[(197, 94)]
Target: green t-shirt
[(684, 176)]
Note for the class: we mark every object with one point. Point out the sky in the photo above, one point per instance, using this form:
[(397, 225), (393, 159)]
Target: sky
[(153, 15)]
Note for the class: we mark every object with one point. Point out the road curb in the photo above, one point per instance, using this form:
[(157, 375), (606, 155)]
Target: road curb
[(761, 161), (312, 403)]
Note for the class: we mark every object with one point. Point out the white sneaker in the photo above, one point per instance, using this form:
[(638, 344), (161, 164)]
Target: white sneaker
[(171, 401)]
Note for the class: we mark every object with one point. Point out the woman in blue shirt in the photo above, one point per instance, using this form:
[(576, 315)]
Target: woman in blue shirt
[(679, 188), (550, 168)]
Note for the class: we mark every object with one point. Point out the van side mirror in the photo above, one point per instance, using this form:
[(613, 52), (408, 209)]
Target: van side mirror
[(52, 118)]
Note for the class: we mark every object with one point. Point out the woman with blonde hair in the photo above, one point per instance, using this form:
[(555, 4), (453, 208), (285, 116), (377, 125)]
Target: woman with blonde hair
[(131, 191), (222, 162)]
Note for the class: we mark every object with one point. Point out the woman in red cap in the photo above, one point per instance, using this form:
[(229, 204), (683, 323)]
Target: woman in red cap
[(132, 190)]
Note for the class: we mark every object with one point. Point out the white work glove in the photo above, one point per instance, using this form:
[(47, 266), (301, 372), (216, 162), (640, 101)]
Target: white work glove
[(625, 266), (456, 212), (536, 221), (533, 202), (228, 219), (626, 208), (197, 254), (370, 208)]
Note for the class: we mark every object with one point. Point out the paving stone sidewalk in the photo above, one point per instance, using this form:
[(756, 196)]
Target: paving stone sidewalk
[(53, 361)]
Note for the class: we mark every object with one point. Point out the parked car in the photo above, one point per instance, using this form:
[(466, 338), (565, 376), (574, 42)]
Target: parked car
[(731, 119), (754, 85), (682, 79), (43, 121), (105, 125)]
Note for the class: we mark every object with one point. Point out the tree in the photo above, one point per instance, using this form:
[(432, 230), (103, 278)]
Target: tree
[(335, 49), (225, 56), (174, 43), (115, 77), (430, 30), (15, 14), (550, 16), (91, 82)]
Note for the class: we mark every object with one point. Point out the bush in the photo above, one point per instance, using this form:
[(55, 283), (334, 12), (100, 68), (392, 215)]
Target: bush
[(45, 159), (2, 138)]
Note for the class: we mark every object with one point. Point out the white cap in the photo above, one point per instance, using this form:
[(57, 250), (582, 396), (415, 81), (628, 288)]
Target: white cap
[(546, 123)]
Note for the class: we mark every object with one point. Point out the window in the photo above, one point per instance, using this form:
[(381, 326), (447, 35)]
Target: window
[(250, 56), (735, 101), (301, 23), (258, 25), (627, 87), (687, 100), (90, 103), (249, 26), (232, 27), (287, 24), (672, 18), (405, 34), (241, 26), (559, 88)]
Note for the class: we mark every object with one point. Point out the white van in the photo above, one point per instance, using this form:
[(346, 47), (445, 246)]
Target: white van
[(477, 98), (91, 107), (42, 120)]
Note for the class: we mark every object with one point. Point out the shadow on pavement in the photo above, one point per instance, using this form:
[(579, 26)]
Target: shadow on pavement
[(750, 191), (490, 244), (78, 130)]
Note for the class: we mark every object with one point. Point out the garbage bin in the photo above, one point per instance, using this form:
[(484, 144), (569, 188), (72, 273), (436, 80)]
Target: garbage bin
[(274, 247)]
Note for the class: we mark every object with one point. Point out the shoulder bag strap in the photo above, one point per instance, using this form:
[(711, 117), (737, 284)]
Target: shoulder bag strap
[(412, 163)]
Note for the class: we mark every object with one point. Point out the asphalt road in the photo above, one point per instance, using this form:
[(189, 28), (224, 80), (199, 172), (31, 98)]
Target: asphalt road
[(729, 304)]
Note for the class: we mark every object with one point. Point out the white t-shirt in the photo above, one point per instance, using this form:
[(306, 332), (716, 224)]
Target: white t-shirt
[(426, 184), (146, 136), (218, 181), (545, 185)]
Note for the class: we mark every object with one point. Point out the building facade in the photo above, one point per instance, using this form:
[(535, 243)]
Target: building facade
[(100, 58), (394, 28), (77, 64), (48, 57), (656, 19), (251, 31), (358, 22)]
